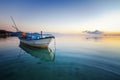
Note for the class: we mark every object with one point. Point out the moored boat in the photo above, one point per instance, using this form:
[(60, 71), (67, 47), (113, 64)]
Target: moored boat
[(39, 40)]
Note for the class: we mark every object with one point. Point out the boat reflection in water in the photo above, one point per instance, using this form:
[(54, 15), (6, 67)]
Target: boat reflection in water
[(44, 54)]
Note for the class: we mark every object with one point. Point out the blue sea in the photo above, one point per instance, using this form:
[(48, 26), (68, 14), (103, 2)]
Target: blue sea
[(67, 58)]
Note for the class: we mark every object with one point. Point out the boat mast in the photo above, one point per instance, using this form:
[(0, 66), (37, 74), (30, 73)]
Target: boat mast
[(15, 26), (41, 34)]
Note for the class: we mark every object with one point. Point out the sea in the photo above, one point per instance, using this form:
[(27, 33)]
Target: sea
[(67, 58)]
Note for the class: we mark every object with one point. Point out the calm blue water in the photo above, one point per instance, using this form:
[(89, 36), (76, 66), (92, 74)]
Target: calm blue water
[(75, 58)]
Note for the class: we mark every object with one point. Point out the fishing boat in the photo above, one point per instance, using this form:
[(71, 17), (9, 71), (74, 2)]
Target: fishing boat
[(36, 39), (44, 54), (39, 40)]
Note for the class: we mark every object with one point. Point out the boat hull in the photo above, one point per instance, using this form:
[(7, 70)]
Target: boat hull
[(41, 43)]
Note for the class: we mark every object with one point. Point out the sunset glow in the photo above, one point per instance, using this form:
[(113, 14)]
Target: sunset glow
[(61, 16)]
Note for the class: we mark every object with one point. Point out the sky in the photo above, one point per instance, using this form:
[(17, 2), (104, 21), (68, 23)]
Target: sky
[(61, 16)]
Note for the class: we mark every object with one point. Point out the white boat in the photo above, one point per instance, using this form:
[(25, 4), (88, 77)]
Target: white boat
[(34, 39), (40, 42)]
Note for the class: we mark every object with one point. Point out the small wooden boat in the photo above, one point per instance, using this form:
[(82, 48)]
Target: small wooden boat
[(39, 40)]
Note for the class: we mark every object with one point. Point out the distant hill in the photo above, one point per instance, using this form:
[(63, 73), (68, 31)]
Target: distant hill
[(5, 33)]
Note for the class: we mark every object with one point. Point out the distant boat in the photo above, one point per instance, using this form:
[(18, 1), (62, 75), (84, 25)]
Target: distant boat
[(45, 54), (39, 40)]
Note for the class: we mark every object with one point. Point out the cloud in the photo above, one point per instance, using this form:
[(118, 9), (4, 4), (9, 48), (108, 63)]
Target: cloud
[(93, 32)]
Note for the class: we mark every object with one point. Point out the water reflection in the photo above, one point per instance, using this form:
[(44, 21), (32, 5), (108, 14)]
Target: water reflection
[(3, 36), (45, 54), (77, 58), (93, 38)]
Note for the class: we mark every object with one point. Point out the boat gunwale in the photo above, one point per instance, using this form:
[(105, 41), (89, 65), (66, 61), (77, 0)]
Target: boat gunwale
[(35, 39)]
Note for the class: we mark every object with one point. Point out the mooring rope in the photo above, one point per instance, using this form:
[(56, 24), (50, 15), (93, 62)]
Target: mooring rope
[(54, 45)]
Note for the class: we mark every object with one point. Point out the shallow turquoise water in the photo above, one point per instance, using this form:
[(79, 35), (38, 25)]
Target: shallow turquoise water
[(75, 58)]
